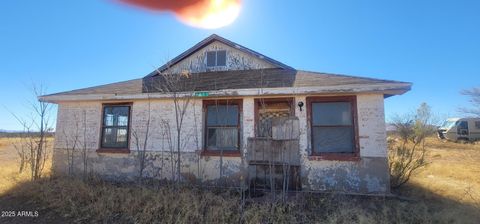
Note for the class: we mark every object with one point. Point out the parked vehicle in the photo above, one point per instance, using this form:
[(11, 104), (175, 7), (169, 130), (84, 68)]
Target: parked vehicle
[(460, 129)]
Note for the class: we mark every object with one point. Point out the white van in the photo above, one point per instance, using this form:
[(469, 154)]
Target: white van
[(460, 129)]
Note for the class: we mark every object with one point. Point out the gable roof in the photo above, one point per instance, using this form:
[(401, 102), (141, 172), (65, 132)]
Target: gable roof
[(211, 39), (281, 79), (266, 79)]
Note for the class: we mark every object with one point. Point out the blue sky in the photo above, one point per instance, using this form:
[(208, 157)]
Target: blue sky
[(73, 44)]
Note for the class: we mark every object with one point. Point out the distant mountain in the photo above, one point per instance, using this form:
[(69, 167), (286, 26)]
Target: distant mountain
[(9, 131)]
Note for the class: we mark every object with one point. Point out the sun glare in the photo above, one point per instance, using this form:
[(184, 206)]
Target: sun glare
[(211, 14)]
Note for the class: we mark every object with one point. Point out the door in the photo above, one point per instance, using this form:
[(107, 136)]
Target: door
[(267, 109)]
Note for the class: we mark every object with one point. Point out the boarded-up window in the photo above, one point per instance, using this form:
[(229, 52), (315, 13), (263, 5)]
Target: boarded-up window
[(332, 126), (222, 126), (216, 58), (267, 110), (115, 126)]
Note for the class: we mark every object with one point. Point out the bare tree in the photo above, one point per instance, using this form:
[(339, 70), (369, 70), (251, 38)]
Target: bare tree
[(21, 146), (76, 141), (33, 145), (84, 145), (181, 87), (141, 143), (474, 95), (167, 138), (72, 143)]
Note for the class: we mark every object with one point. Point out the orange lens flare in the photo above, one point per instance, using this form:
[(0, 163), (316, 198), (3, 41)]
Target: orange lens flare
[(207, 14)]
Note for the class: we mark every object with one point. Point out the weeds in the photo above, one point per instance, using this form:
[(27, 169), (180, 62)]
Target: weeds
[(95, 200)]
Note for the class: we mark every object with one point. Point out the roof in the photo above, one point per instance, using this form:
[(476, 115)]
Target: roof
[(133, 86), (211, 39), (260, 78), (244, 79), (282, 79)]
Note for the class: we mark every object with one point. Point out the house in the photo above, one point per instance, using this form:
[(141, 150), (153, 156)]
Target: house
[(246, 120)]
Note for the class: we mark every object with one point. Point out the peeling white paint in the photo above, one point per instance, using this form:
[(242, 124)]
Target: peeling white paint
[(369, 174), (236, 60)]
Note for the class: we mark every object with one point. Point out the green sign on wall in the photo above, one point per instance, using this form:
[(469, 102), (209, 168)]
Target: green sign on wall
[(201, 94)]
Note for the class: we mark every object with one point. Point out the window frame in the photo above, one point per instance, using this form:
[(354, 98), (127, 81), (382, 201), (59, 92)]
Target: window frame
[(102, 149), (355, 155), (227, 153), (216, 59)]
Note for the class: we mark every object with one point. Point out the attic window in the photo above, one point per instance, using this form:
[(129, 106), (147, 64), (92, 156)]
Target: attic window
[(216, 58)]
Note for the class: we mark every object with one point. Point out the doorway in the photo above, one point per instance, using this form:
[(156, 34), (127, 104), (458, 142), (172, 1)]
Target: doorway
[(267, 109)]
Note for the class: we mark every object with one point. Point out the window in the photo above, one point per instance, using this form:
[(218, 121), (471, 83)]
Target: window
[(462, 128), (115, 126), (222, 126), (332, 123), (448, 124), (477, 124), (216, 58)]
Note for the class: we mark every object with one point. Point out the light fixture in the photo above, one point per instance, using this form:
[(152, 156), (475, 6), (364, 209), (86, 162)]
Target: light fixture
[(300, 105)]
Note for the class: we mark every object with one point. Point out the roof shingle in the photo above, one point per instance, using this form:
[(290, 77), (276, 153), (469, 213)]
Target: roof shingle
[(242, 79)]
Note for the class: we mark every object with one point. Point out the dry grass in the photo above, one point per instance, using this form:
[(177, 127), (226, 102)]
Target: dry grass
[(443, 192), (97, 201), (453, 171), (9, 169)]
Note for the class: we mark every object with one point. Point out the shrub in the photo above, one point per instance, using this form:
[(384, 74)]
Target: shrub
[(407, 154)]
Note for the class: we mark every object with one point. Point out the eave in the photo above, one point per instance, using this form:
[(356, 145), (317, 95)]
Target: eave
[(385, 89)]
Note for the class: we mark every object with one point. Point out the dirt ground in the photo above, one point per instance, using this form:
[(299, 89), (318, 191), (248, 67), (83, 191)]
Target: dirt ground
[(448, 187)]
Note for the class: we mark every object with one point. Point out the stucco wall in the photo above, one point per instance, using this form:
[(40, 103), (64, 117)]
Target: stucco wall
[(236, 60), (367, 175)]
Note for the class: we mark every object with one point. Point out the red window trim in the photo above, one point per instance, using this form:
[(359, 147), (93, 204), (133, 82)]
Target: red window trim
[(226, 153), (115, 150), (355, 156), (235, 153)]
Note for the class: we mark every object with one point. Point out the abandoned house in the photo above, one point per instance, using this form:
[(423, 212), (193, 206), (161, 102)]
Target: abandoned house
[(222, 113)]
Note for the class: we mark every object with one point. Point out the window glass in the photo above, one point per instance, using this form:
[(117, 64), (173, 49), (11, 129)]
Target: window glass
[(115, 126), (332, 127), (448, 124), (221, 58), (222, 115), (463, 125), (477, 124), (211, 58), (222, 138), (116, 115), (332, 113), (333, 139), (115, 138), (222, 127)]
